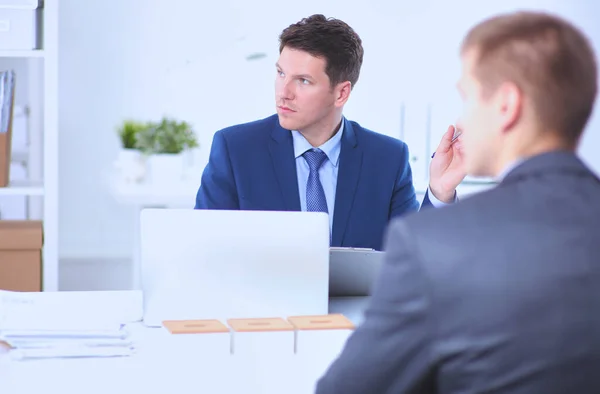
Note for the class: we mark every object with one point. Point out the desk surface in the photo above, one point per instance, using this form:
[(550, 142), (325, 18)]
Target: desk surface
[(158, 367)]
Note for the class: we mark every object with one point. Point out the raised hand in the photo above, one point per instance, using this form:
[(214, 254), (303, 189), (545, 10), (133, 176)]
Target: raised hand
[(447, 170)]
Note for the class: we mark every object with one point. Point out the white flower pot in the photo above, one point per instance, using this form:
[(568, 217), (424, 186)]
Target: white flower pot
[(165, 168), (130, 166)]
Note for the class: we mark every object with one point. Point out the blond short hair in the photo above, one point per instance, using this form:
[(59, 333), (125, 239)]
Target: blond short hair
[(548, 58)]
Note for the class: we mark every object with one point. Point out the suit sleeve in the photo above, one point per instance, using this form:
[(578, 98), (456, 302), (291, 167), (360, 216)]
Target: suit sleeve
[(217, 187), (404, 199), (427, 201), (391, 352)]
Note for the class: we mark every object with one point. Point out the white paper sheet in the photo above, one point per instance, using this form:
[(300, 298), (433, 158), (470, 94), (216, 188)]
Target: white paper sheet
[(68, 324), (72, 352), (79, 310)]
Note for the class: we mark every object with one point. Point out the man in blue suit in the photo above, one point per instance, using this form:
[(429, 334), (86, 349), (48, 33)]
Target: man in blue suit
[(309, 157)]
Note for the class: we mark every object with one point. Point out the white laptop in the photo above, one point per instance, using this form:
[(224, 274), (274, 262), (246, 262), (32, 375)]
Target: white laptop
[(219, 264)]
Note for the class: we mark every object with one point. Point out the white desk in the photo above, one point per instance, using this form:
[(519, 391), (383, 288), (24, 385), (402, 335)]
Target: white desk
[(157, 369)]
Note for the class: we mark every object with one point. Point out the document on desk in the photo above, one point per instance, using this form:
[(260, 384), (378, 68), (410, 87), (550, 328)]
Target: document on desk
[(61, 345), (35, 326), (72, 352), (75, 310)]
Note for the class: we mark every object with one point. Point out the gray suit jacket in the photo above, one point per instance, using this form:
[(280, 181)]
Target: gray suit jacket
[(499, 293)]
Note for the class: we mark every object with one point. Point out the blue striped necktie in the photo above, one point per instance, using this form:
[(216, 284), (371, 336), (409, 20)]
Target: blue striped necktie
[(315, 196)]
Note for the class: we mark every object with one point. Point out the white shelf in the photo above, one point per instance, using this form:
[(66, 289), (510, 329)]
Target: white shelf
[(22, 189), (47, 120), (39, 87), (34, 53)]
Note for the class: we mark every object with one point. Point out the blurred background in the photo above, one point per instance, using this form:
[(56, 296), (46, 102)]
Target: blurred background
[(105, 68)]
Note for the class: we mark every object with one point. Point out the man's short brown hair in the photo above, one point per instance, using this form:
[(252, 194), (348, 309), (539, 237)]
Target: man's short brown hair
[(330, 39), (548, 58)]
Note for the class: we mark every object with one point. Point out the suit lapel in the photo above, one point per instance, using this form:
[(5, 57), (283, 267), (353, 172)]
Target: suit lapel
[(281, 147), (347, 182)]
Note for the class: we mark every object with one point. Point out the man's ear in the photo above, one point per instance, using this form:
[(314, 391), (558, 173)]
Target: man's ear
[(342, 93), (509, 99)]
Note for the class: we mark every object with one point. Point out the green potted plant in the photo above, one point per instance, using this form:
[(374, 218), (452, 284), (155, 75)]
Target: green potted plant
[(128, 131), (129, 162), (164, 143)]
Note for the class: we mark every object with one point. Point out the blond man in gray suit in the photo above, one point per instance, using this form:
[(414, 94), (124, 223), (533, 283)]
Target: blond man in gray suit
[(499, 293)]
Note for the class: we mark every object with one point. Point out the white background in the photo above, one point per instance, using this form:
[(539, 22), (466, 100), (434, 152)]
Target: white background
[(144, 59)]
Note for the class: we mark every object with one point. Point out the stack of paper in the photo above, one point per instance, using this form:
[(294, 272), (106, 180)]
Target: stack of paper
[(33, 328), (62, 343)]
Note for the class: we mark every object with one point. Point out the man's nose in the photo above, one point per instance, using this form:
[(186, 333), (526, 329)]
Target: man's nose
[(284, 90)]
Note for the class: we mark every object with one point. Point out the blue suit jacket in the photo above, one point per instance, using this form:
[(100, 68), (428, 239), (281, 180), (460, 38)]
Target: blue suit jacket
[(252, 167)]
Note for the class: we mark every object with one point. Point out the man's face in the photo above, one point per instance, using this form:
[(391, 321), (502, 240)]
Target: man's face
[(303, 94), (479, 123)]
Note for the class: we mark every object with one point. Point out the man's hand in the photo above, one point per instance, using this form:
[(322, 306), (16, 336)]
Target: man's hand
[(446, 170)]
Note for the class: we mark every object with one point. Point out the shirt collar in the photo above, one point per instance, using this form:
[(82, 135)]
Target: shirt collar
[(331, 147), (508, 169)]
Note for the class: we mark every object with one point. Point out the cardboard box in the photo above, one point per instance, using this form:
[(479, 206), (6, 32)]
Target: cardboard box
[(262, 337), (21, 244), (5, 158), (210, 338)]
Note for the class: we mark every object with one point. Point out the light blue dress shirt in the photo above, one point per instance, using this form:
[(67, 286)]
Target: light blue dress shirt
[(328, 172)]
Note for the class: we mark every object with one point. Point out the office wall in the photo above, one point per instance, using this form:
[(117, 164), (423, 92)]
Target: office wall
[(128, 58)]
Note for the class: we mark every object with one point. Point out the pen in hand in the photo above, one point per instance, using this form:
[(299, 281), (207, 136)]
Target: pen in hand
[(453, 139)]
